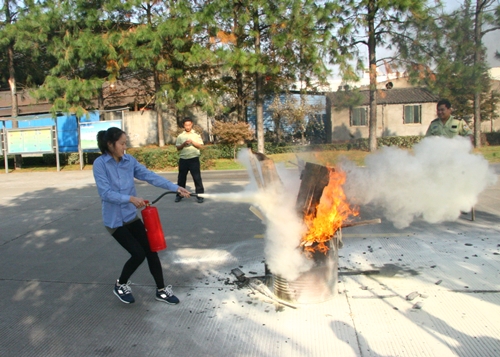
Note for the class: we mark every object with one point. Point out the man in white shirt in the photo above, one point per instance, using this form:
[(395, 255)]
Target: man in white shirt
[(189, 144)]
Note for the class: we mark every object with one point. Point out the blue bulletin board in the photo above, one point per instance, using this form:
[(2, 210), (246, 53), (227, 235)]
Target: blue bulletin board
[(30, 140), (89, 130)]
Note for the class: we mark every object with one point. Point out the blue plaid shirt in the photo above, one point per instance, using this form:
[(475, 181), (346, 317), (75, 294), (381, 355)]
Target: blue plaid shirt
[(115, 184)]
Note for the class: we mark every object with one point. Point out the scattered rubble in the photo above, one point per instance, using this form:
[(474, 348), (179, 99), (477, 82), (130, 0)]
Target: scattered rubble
[(412, 296)]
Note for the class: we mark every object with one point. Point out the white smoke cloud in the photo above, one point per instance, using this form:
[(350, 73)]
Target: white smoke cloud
[(284, 228), (441, 178)]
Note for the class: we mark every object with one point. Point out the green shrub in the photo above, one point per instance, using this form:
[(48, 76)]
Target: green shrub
[(399, 141), (156, 158), (492, 138), (356, 144), (218, 151)]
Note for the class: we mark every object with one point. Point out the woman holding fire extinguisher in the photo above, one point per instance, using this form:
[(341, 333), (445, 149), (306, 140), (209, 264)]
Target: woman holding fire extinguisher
[(114, 173)]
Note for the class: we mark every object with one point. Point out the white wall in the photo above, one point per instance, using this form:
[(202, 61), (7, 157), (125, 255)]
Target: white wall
[(141, 127), (389, 122)]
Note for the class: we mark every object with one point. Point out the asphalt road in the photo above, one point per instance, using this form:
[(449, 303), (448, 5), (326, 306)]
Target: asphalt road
[(58, 265)]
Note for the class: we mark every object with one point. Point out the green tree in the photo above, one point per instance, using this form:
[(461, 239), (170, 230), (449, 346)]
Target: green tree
[(24, 34), (76, 33), (489, 108), (8, 42), (454, 56), (374, 24), (266, 46), (484, 22), (20, 64), (164, 41), (450, 72)]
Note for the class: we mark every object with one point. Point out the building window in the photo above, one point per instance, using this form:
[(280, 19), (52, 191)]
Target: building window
[(358, 116), (413, 114)]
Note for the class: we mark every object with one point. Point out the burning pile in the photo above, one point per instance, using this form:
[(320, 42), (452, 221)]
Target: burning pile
[(303, 234), (332, 210)]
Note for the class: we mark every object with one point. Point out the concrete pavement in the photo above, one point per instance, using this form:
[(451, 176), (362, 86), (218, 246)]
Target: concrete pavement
[(58, 265)]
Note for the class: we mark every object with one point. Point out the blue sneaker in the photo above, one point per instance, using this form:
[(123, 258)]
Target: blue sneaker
[(124, 293), (167, 295)]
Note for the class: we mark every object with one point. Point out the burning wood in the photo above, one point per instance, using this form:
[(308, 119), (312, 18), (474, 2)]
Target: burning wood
[(314, 179), (361, 223), (321, 201), (344, 225), (324, 205)]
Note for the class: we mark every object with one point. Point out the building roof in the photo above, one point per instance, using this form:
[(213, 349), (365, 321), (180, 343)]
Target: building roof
[(26, 104), (118, 94), (395, 96)]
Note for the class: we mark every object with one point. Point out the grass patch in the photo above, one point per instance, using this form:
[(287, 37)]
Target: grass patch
[(227, 164), (490, 153)]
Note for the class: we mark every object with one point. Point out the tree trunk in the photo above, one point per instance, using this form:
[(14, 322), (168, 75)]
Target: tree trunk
[(373, 76), (156, 77), (259, 100), (259, 105), (240, 97), (159, 109), (12, 83), (100, 103), (159, 118), (240, 91), (18, 159), (477, 61)]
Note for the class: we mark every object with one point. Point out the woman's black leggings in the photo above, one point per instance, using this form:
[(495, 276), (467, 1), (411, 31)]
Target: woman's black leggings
[(133, 238)]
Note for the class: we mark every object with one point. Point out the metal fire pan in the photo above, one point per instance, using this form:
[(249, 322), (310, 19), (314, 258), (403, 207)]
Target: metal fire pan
[(319, 284)]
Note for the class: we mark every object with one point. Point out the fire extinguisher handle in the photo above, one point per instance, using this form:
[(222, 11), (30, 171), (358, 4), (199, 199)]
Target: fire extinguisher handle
[(163, 194)]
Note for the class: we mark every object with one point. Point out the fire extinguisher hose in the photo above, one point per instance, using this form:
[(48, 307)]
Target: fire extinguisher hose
[(169, 192)]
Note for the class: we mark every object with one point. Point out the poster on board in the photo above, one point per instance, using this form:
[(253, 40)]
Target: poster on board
[(89, 130), (30, 140)]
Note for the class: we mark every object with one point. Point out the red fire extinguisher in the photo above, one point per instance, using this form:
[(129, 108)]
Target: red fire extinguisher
[(154, 230)]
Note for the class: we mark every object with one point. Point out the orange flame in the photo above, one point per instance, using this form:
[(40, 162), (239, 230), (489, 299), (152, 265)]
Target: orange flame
[(332, 210)]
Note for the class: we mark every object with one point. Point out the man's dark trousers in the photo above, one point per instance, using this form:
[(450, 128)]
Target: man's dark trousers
[(193, 166)]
